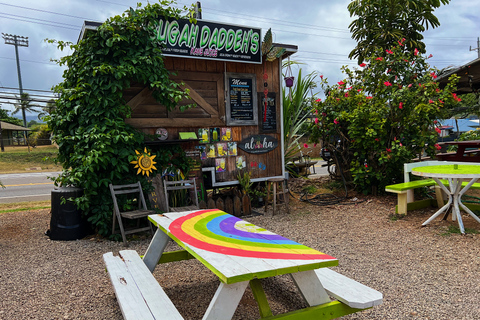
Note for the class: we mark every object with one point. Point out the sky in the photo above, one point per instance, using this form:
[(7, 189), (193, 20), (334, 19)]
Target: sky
[(318, 28)]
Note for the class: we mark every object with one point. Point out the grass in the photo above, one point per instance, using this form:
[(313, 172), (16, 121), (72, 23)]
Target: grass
[(18, 159), (24, 206), (454, 229)]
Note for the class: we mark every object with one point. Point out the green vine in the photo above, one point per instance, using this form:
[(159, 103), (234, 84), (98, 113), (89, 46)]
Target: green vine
[(88, 124)]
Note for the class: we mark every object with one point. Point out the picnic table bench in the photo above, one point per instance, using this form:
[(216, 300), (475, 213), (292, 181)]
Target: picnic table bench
[(404, 191), (141, 297)]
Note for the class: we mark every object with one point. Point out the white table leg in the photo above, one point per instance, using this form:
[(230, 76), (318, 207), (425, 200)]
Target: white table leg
[(310, 287), (155, 249), (446, 206), (225, 301), (460, 199)]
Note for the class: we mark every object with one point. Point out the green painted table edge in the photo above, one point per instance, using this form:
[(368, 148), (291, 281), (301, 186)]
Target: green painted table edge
[(449, 169), (247, 276)]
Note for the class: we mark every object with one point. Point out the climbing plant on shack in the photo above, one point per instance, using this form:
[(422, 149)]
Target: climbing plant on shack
[(381, 116), (96, 146)]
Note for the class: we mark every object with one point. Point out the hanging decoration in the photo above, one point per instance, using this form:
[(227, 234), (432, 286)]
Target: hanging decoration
[(289, 79), (270, 52), (144, 162)]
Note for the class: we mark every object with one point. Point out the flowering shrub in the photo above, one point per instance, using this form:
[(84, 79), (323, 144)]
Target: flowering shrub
[(381, 116)]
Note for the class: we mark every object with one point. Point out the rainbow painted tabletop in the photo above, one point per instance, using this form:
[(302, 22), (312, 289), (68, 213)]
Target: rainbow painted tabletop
[(236, 250)]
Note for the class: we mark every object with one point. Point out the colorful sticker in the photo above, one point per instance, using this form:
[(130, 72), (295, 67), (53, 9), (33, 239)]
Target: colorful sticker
[(232, 148), (214, 134), (222, 149), (211, 151), (226, 134), (204, 135), (220, 165), (240, 163), (203, 152)]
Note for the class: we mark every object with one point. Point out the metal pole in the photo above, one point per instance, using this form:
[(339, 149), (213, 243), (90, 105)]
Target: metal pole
[(1, 138), (20, 82)]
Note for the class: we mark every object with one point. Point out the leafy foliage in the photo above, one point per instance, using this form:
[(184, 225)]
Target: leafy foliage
[(296, 112), (381, 116), (381, 23), (24, 104), (95, 144), (466, 136), (6, 118)]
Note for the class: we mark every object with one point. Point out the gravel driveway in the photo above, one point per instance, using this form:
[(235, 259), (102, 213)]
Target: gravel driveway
[(423, 273)]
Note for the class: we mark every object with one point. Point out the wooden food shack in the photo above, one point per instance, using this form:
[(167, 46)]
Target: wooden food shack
[(236, 124)]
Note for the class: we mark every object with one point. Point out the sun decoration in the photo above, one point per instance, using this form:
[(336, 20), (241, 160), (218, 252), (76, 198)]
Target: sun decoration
[(144, 162)]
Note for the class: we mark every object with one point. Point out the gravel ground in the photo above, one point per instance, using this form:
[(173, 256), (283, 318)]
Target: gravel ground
[(423, 273)]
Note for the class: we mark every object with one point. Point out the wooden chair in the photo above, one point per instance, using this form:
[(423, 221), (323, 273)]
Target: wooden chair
[(135, 192), (181, 185)]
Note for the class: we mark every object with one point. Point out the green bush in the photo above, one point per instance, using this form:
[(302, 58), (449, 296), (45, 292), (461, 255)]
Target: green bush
[(95, 144), (381, 116)]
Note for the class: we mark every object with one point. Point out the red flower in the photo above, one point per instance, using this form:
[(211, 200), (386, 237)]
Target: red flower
[(359, 90), (435, 121), (401, 145), (415, 52), (400, 43), (305, 145), (324, 114), (434, 76), (389, 150), (341, 83), (430, 101), (368, 97), (316, 111), (438, 146), (335, 121), (318, 100), (379, 59), (362, 65), (316, 120), (389, 51), (438, 130), (440, 101), (431, 55), (314, 145), (321, 76), (455, 97), (346, 94), (400, 106), (410, 85), (366, 165), (377, 139), (387, 83)]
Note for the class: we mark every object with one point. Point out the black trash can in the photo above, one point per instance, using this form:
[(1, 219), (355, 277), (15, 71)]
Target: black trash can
[(66, 222)]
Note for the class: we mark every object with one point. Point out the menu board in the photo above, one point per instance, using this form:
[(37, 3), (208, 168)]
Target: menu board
[(241, 99), (268, 123)]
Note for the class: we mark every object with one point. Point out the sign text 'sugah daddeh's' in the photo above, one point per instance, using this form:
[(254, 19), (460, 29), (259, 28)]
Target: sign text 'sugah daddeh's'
[(209, 40)]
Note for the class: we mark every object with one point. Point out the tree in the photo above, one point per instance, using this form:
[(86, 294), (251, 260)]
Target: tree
[(6, 118), (47, 110), (382, 116), (24, 104), (382, 23), (95, 144)]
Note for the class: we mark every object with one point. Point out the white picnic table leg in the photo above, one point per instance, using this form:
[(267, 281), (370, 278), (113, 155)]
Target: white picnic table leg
[(310, 287), (225, 301), (446, 206), (155, 249), (460, 199)]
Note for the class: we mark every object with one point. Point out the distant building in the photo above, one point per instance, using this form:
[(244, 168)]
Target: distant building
[(12, 135)]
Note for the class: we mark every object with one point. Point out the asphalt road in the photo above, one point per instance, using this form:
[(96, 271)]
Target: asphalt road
[(35, 186), (20, 187)]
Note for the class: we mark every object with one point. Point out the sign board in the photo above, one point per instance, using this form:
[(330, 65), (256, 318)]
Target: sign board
[(259, 143), (209, 40), (241, 108), (268, 123)]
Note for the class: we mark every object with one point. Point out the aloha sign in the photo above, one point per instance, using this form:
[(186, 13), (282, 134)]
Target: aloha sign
[(209, 40), (259, 143)]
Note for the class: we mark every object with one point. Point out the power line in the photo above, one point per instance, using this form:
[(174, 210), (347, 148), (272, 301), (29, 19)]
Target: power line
[(49, 63), (45, 24), (45, 11), (9, 88)]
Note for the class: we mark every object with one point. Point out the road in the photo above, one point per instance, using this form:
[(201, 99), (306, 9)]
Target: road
[(20, 187), (35, 186)]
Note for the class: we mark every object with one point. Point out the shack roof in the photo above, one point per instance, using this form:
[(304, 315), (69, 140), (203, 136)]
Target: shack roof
[(469, 75), (13, 127)]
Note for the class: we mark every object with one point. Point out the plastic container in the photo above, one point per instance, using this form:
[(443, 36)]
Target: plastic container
[(66, 222)]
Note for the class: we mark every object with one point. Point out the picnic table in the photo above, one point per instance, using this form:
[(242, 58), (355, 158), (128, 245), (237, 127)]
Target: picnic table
[(468, 151), (454, 173), (239, 254)]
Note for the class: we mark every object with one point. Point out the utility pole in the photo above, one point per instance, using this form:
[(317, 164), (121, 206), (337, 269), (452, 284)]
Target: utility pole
[(477, 48), (18, 41)]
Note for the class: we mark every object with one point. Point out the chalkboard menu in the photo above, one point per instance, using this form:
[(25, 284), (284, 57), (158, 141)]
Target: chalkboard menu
[(241, 99), (268, 123)]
